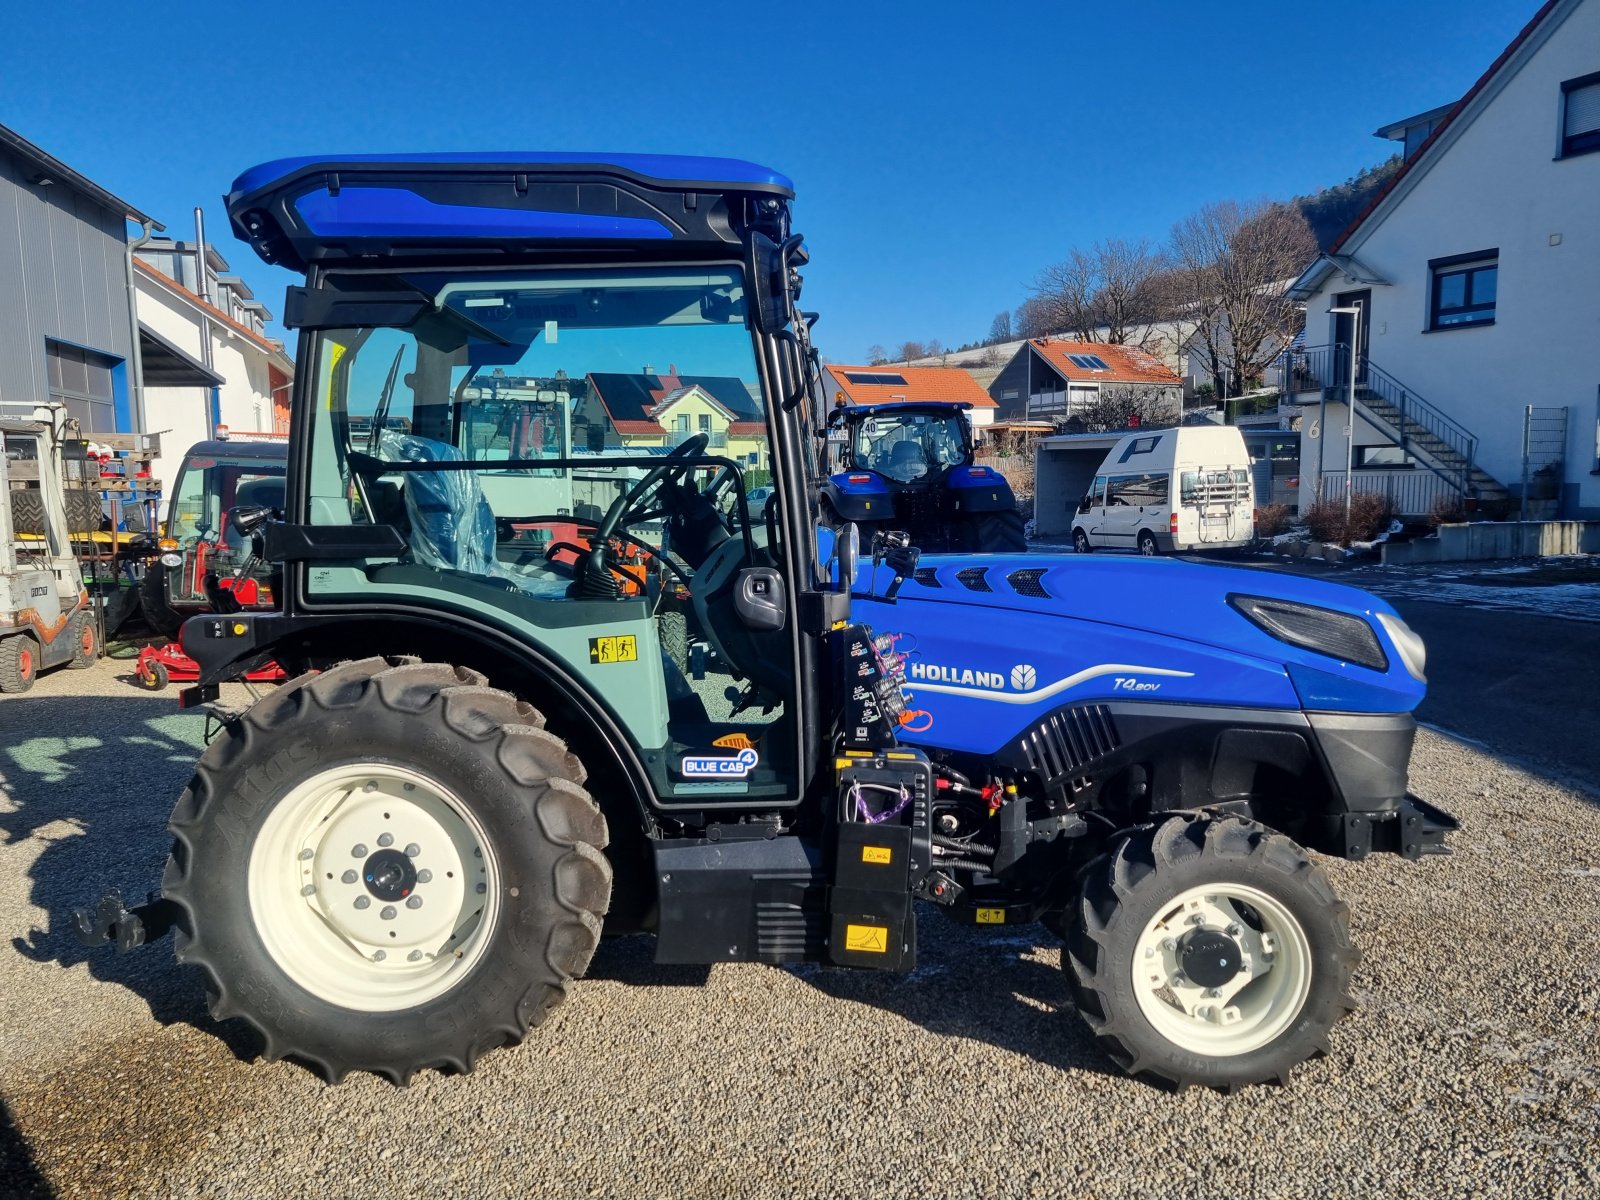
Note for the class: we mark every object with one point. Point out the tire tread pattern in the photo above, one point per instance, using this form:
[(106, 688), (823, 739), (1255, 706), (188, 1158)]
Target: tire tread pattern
[(528, 754)]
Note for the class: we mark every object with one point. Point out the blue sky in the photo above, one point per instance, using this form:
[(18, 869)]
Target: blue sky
[(942, 152)]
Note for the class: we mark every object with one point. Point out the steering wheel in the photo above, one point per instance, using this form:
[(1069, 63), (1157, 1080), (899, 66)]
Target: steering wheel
[(596, 576)]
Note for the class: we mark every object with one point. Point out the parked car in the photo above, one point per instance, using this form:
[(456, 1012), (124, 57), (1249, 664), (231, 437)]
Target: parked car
[(1171, 489), (757, 500)]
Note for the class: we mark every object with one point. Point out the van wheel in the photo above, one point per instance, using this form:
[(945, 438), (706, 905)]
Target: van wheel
[(1080, 542), (1147, 544)]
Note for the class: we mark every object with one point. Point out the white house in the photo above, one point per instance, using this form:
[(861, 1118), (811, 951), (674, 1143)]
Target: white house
[(1476, 273), (248, 374)]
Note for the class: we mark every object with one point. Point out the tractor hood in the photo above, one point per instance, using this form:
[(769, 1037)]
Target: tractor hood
[(989, 632)]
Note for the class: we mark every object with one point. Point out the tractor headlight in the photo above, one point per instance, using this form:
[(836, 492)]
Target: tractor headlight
[(1410, 645), (1339, 635), (172, 560)]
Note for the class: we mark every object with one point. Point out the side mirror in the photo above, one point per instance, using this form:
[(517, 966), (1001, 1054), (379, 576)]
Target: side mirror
[(847, 546), (249, 518)]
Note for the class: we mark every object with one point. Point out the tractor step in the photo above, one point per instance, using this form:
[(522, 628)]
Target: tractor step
[(111, 920)]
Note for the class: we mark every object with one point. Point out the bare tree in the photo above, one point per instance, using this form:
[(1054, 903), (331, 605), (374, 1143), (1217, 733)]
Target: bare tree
[(876, 355), (908, 351), (934, 348), (1110, 292), (1033, 319), (1234, 262), (1000, 328)]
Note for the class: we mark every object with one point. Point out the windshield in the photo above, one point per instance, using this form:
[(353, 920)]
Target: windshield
[(910, 446), (209, 487), (517, 367)]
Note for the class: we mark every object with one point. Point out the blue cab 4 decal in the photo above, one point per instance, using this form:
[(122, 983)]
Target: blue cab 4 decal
[(719, 766)]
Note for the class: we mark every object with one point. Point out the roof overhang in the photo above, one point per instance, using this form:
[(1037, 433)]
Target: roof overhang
[(163, 364), (1395, 131), (1319, 272), (50, 169)]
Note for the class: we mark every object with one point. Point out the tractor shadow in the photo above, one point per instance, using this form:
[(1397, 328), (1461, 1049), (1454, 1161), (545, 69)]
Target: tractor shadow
[(91, 779), (1003, 989)]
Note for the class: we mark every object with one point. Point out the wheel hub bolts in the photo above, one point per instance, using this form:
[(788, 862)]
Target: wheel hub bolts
[(363, 902), (386, 839), (349, 877)]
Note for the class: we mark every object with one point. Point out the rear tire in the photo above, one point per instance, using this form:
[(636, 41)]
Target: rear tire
[(1001, 532), (322, 935), (154, 604), (1147, 544), (82, 510), (1080, 542), (19, 663), (1175, 908)]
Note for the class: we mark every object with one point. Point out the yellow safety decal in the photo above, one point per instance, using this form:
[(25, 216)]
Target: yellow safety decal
[(866, 938), (623, 647), (876, 854), (842, 763), (900, 754), (991, 916)]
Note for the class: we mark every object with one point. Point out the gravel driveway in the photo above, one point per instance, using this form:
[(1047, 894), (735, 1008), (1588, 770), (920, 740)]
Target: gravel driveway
[(1472, 1067)]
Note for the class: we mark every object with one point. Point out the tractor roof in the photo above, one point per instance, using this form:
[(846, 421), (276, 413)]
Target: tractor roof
[(295, 211), (943, 408)]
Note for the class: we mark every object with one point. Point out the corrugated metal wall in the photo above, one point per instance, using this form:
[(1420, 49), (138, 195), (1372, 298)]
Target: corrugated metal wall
[(61, 276)]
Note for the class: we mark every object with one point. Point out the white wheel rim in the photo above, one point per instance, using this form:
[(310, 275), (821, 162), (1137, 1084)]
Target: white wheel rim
[(1270, 955), (407, 937)]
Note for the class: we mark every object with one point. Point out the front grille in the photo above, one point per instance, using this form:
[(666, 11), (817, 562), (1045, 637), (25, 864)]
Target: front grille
[(927, 577), (1068, 740), (975, 579), (1025, 582)]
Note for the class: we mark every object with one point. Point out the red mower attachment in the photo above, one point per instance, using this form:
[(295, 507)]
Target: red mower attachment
[(161, 665)]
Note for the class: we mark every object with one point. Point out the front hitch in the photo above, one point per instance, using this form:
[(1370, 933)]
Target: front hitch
[(111, 920)]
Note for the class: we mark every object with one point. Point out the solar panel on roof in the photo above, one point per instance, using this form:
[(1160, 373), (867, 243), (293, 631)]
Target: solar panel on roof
[(1098, 363), (863, 377)]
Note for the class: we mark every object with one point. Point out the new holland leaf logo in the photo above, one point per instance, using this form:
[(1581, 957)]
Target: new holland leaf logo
[(1023, 677), (735, 741)]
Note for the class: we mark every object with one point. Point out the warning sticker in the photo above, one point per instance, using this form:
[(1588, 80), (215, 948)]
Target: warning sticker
[(623, 647), (991, 916), (876, 854), (867, 938)]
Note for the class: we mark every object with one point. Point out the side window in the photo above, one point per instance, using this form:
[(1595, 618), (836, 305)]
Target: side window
[(1095, 495), (1140, 491)]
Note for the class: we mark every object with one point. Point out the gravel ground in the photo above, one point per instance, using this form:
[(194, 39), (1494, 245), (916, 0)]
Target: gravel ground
[(1472, 1067)]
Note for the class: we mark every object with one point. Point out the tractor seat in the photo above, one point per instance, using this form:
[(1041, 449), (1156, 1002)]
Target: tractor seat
[(452, 525), (907, 462)]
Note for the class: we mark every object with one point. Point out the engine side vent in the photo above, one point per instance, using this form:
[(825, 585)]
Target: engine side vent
[(927, 577), (975, 579), (787, 932), (1025, 582), (1068, 740)]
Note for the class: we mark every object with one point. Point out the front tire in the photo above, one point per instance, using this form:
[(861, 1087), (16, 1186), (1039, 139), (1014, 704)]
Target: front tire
[(386, 868), (85, 641), (1147, 544), (155, 604), (1080, 542), (1210, 951)]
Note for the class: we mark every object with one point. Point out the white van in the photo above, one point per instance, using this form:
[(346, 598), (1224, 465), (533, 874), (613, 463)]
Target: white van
[(1171, 489)]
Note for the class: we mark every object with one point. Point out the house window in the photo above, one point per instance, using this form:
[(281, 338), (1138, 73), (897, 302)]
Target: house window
[(1580, 115), (680, 423), (1383, 457), (705, 422), (1464, 289)]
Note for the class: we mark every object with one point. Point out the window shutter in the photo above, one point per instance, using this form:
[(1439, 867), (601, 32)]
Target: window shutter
[(1583, 110)]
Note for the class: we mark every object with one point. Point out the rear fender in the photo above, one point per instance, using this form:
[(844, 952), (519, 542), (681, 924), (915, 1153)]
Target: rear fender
[(978, 489), (859, 496)]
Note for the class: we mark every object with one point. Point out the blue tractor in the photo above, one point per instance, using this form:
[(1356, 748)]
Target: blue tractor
[(909, 467), (492, 750)]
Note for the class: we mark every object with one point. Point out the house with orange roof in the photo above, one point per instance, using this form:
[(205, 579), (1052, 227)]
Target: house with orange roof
[(650, 413), (1465, 294), (903, 385), (1053, 379)]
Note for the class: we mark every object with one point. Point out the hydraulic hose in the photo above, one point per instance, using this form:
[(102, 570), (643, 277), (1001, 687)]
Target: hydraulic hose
[(963, 847)]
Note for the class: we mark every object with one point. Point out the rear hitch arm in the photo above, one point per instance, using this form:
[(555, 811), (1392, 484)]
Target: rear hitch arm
[(111, 920)]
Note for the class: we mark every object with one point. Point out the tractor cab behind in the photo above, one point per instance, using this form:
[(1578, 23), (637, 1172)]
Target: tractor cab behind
[(910, 466)]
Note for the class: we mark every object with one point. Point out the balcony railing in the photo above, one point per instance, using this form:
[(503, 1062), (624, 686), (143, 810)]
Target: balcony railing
[(677, 437)]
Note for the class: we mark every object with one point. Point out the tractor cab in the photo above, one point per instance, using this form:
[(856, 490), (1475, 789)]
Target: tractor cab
[(910, 466)]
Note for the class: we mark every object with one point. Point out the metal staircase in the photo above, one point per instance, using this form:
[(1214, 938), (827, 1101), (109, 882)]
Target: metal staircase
[(1440, 444)]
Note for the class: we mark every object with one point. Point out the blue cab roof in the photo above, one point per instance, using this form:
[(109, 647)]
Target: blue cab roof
[(294, 211), (658, 168)]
